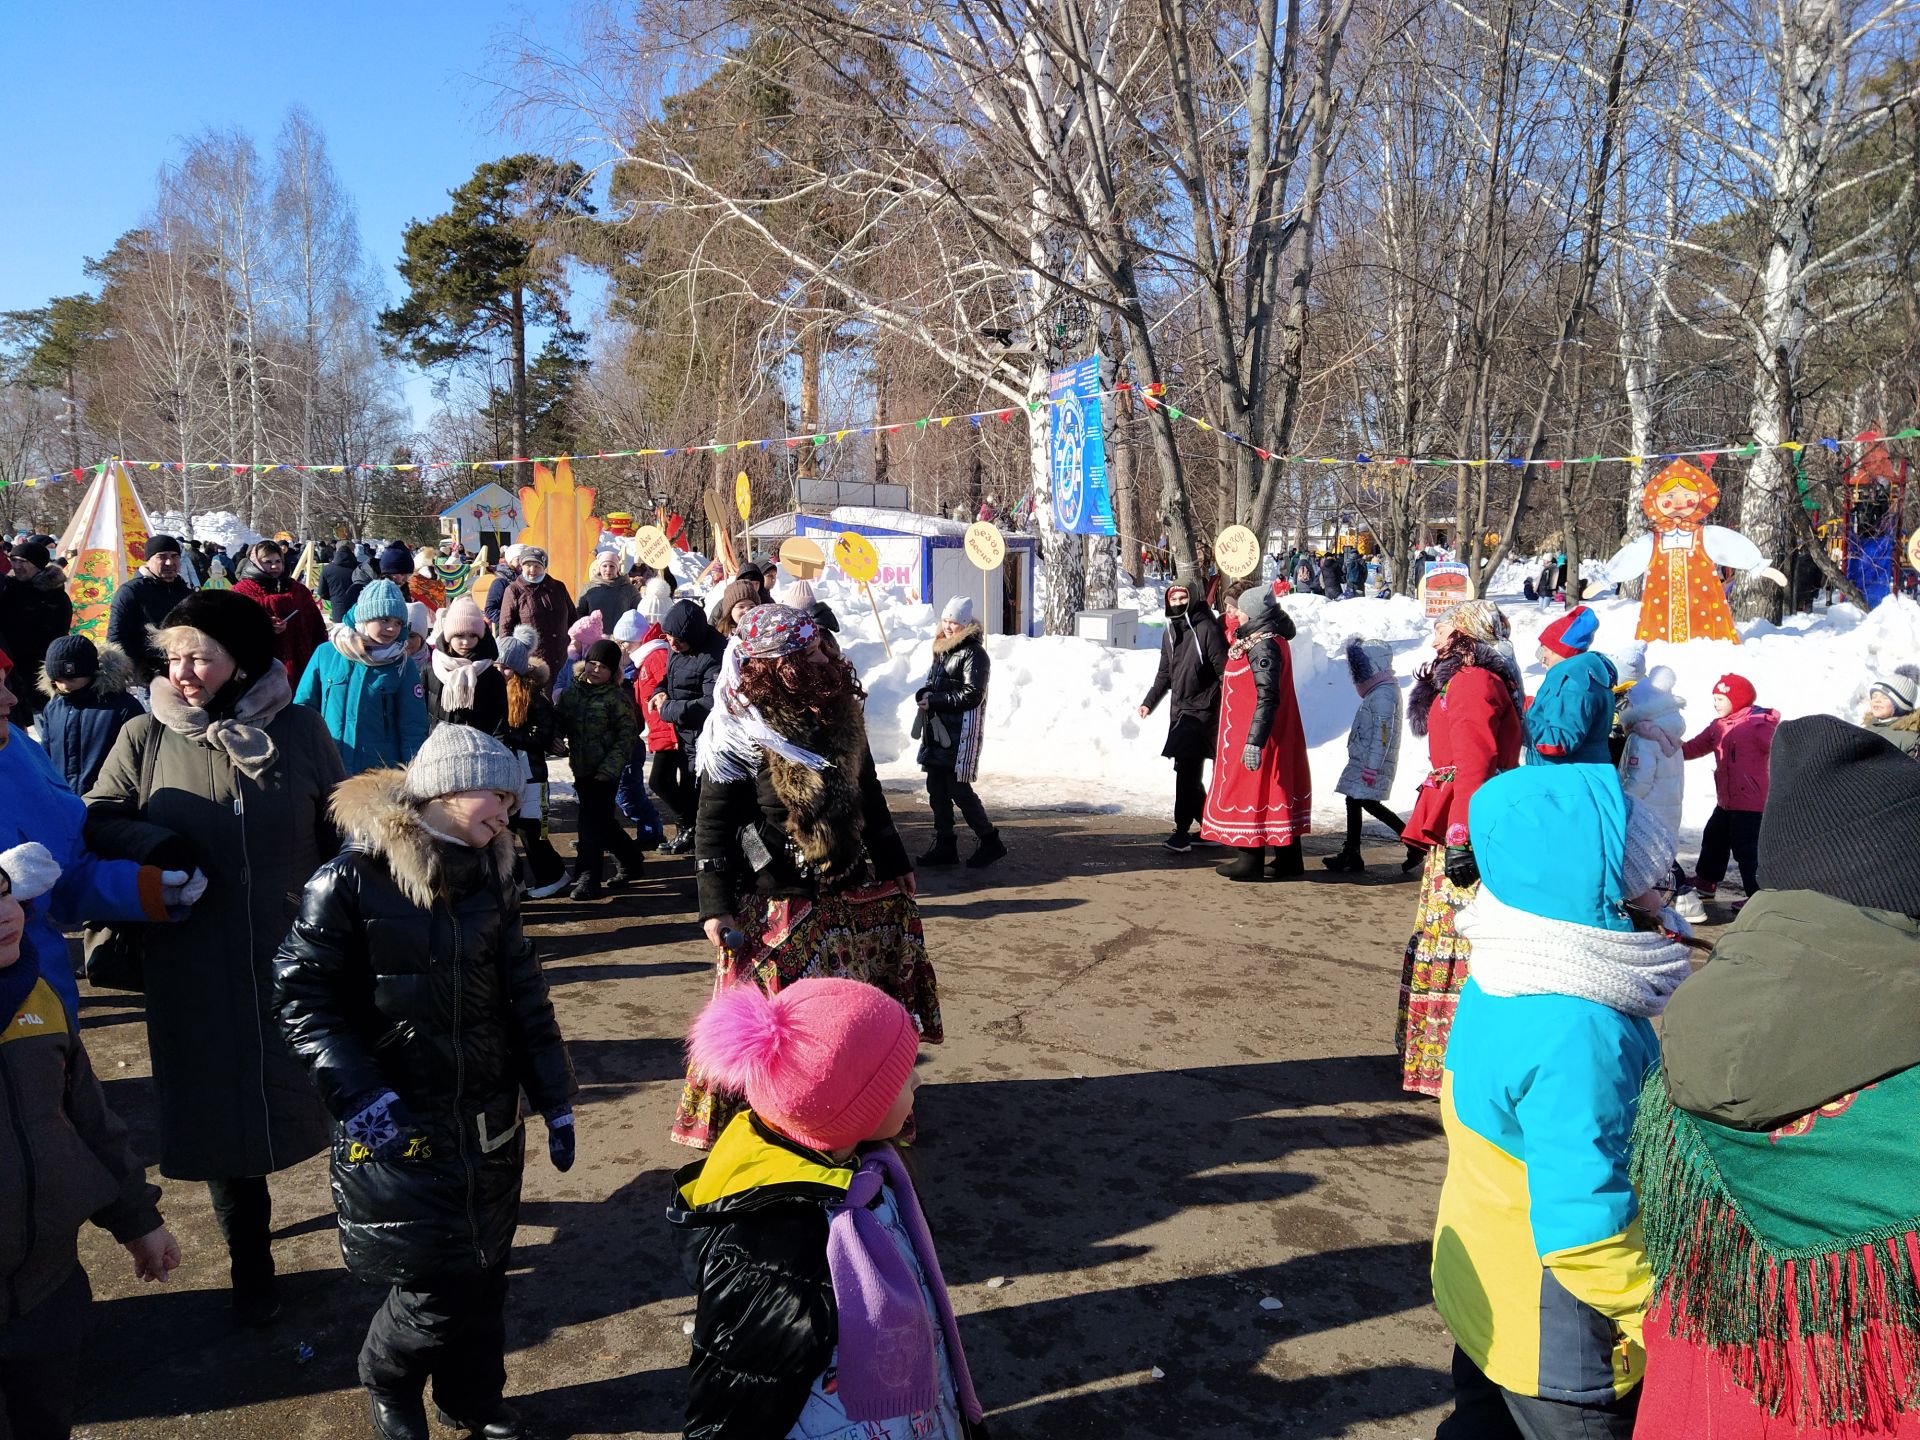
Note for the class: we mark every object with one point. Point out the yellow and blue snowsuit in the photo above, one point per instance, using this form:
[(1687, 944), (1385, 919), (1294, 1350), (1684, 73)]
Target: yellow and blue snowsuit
[(1539, 1269)]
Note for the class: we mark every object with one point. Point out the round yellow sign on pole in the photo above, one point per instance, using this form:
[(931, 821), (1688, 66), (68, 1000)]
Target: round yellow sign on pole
[(986, 547), (1238, 552), (856, 557), (802, 559), (743, 495), (654, 549)]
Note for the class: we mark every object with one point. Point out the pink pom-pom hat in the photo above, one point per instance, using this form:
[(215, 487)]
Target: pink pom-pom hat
[(822, 1061)]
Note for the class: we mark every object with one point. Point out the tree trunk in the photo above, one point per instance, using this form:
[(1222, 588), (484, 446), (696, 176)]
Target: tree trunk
[(517, 340), (809, 398)]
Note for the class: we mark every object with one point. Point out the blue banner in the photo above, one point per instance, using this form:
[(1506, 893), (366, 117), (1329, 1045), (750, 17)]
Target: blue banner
[(1077, 449)]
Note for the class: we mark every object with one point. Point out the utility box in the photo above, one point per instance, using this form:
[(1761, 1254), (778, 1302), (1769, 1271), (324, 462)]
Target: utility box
[(1117, 628)]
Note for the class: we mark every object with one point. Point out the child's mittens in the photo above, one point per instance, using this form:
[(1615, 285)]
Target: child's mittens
[(383, 1127), (31, 870), (1250, 756), (1370, 777), (560, 1140)]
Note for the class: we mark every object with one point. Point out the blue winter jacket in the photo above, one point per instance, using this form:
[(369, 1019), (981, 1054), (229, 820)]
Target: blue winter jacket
[(377, 714), (1572, 713), (35, 804), (78, 730)]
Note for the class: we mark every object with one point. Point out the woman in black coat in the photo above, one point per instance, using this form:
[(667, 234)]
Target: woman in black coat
[(1193, 653), (951, 726), (411, 992)]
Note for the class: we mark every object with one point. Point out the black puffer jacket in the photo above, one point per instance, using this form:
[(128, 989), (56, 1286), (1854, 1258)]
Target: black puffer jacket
[(1267, 628), (956, 683), (1193, 653), (752, 1222), (339, 585), (690, 674), (407, 971)]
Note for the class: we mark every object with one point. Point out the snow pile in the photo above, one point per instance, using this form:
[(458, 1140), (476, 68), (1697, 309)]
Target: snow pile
[(218, 527), (1063, 728)]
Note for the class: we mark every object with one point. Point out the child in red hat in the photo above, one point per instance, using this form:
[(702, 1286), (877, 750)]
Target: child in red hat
[(1740, 739)]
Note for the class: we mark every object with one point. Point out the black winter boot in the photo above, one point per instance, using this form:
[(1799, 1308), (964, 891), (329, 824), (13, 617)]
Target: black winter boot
[(504, 1423), (1347, 862), (1245, 865), (945, 851), (625, 875), (991, 849), (1416, 857), (1289, 862), (398, 1417), (587, 887)]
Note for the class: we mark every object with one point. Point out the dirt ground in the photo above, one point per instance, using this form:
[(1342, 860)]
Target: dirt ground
[(1163, 1101)]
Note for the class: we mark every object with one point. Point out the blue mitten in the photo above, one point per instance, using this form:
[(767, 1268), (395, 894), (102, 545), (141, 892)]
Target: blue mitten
[(383, 1128), (560, 1140)]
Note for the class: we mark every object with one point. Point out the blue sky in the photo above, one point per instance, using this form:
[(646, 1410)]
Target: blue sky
[(101, 94)]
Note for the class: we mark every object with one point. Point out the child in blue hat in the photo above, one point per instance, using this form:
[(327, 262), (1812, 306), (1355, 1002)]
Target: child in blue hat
[(1539, 1269)]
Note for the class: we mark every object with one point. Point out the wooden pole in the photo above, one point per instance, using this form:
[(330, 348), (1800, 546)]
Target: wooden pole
[(878, 623)]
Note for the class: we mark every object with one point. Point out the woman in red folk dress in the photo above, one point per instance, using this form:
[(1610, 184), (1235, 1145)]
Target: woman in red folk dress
[(1467, 702), (1262, 791)]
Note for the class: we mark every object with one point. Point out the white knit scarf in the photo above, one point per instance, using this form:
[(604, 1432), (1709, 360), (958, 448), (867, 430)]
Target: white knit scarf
[(736, 733), (458, 676), (1519, 953)]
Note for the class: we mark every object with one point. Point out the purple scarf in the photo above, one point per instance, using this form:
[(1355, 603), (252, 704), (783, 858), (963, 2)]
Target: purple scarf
[(886, 1364)]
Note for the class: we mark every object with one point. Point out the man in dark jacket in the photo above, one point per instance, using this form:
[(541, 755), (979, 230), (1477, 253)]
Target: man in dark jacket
[(685, 698), (144, 602), (1332, 575), (64, 1160), (340, 585), (1193, 653), (1356, 573), (952, 724), (34, 612)]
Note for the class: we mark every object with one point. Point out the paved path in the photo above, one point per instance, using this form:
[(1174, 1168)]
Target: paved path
[(1163, 1099)]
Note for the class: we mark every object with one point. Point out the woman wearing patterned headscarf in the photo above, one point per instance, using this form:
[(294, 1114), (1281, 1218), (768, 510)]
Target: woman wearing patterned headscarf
[(1466, 702), (800, 870)]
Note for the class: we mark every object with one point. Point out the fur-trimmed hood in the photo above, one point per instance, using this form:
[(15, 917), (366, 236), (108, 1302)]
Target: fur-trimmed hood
[(114, 677), (375, 816), (1369, 662), (1651, 703), (968, 634)]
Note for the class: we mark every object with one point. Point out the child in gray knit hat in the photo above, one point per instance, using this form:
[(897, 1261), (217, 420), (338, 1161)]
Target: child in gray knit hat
[(409, 989), (1891, 709)]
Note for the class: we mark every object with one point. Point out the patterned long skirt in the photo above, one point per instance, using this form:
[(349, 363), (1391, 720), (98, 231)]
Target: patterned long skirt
[(1434, 969), (871, 934)]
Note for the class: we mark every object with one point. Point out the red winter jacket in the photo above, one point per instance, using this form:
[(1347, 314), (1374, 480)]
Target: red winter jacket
[(1741, 743), (1473, 734), (652, 670)]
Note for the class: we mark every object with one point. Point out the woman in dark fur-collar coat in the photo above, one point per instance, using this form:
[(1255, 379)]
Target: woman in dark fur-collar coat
[(801, 870)]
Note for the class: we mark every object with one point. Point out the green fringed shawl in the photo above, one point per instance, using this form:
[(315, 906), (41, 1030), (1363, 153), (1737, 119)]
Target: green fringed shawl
[(1795, 1254)]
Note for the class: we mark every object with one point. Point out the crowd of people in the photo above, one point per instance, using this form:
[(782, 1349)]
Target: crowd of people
[(313, 821)]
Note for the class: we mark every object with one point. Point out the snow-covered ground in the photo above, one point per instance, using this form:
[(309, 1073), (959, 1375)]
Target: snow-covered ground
[(1062, 727)]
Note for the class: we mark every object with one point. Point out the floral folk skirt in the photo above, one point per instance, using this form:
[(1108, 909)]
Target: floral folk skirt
[(1431, 974), (872, 934)]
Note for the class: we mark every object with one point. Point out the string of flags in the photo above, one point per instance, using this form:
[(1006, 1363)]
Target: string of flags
[(1153, 397)]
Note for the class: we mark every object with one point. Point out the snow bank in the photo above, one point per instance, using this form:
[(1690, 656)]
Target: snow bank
[(1062, 727), (218, 527)]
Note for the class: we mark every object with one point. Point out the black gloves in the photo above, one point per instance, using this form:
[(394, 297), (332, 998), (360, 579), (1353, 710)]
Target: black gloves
[(1462, 869)]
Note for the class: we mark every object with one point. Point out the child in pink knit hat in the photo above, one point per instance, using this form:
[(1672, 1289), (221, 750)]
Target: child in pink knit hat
[(820, 1304)]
